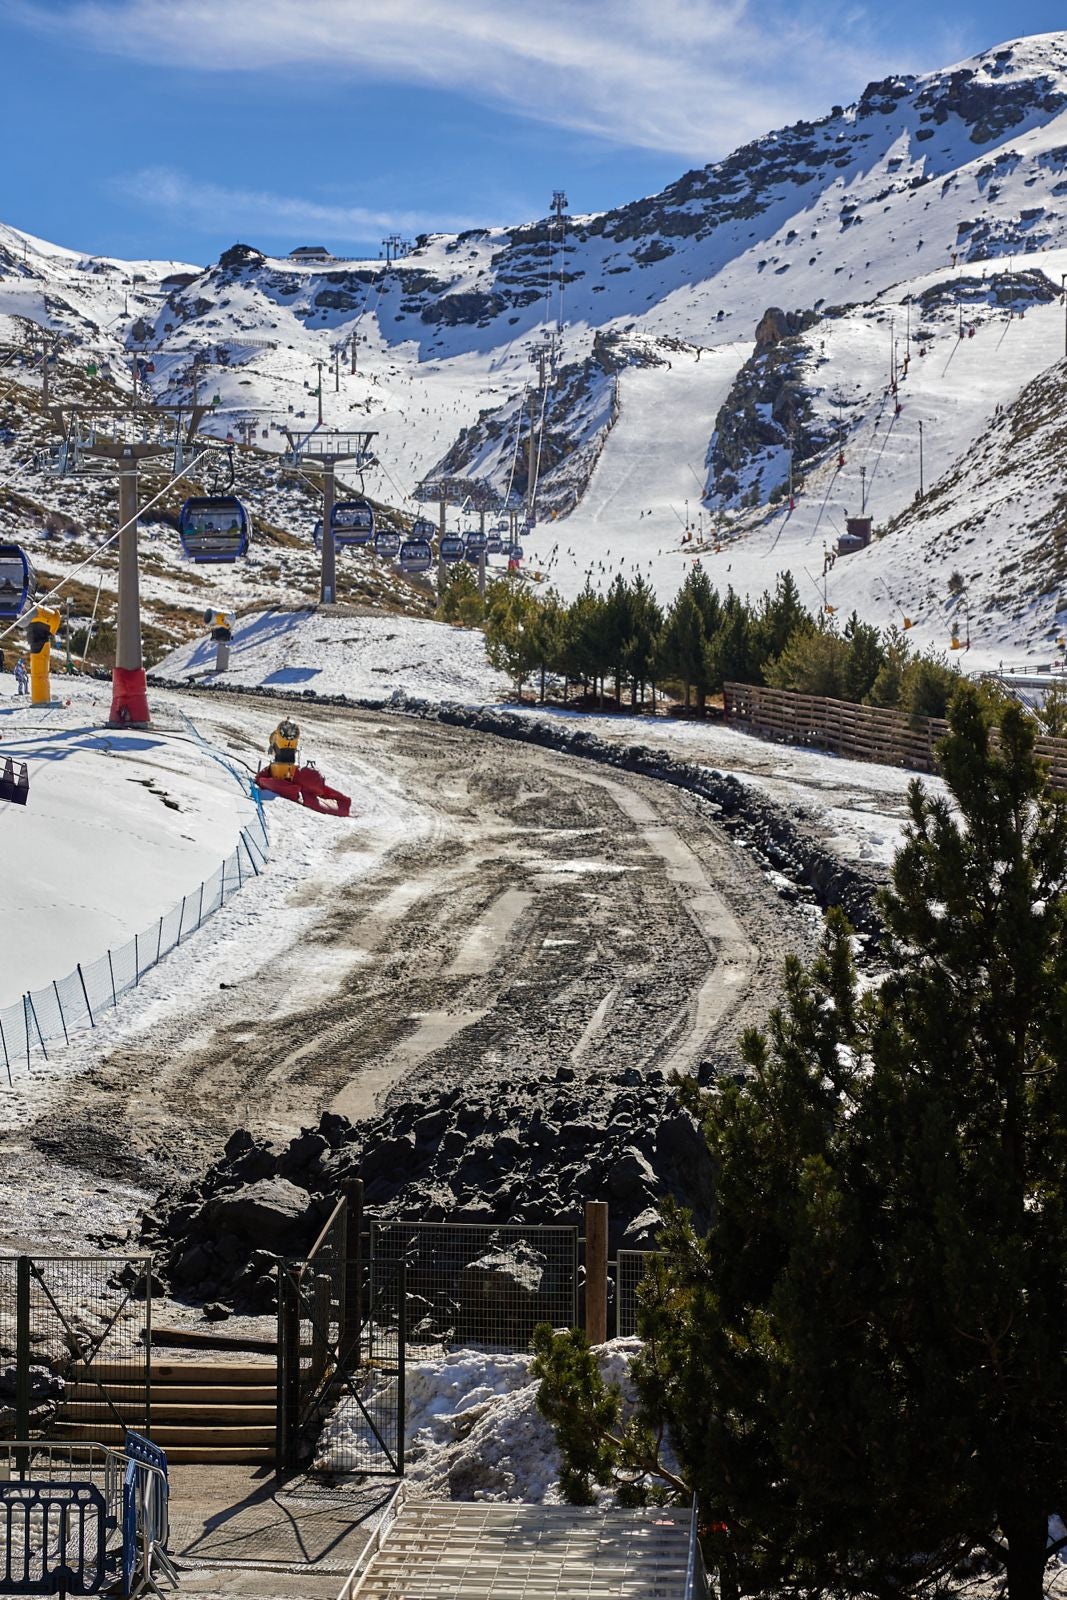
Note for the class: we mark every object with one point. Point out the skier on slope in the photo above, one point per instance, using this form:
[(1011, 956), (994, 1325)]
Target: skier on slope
[(22, 677)]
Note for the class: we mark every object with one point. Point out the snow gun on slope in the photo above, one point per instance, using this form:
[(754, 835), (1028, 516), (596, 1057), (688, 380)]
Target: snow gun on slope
[(305, 786)]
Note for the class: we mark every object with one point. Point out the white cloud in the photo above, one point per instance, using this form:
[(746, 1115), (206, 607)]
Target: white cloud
[(211, 208), (692, 77)]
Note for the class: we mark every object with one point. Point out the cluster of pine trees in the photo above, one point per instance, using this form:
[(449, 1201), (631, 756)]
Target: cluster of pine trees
[(860, 1370), (625, 639)]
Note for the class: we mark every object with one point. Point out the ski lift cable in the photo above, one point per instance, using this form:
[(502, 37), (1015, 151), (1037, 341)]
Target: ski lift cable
[(540, 445), (518, 438), (91, 559)]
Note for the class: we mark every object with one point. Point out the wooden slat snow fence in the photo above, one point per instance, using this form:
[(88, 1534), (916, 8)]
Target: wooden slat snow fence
[(863, 733)]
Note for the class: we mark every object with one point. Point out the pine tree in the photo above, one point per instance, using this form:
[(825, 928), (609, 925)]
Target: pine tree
[(861, 1368)]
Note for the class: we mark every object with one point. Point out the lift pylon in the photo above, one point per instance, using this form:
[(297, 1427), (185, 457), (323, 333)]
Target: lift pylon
[(322, 451)]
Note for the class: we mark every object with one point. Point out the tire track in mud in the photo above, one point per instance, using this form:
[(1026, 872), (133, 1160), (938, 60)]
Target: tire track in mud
[(550, 913)]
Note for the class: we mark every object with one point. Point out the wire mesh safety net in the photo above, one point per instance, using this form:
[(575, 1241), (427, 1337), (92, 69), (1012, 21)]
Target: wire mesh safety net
[(70, 1004)]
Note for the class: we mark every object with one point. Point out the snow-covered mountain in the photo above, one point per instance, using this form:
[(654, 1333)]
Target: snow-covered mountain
[(878, 237)]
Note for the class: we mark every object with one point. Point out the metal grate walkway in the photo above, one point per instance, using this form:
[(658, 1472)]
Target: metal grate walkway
[(455, 1551)]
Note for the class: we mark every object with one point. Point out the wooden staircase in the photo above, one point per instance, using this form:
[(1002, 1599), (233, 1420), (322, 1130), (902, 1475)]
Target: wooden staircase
[(211, 1412)]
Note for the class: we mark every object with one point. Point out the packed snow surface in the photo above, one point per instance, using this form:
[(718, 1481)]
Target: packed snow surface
[(119, 826), (365, 657)]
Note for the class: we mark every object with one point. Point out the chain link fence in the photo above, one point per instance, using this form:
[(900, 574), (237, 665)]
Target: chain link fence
[(630, 1268), (483, 1284), (70, 1004)]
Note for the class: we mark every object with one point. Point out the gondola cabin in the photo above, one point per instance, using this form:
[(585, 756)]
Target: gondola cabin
[(352, 522), (475, 546), (213, 528), (416, 555), (18, 581), (386, 544), (494, 545), (452, 548), (515, 552), (316, 535), (423, 528)]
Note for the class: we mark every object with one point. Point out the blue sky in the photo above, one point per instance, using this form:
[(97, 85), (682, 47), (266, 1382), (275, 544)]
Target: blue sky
[(170, 128)]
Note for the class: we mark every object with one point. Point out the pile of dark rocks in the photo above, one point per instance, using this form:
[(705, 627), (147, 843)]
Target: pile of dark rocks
[(530, 1151)]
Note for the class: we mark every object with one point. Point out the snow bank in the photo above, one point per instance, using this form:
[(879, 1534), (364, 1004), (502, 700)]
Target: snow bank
[(859, 806), (367, 657), (473, 1430), (119, 827)]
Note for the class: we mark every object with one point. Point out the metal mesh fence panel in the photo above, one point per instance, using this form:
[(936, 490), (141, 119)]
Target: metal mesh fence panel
[(232, 874), (69, 1004), (124, 967), (96, 975), (629, 1270), (78, 1329), (170, 927), (72, 1003), (482, 1284), (342, 1377), (14, 1048), (213, 892), (45, 1014)]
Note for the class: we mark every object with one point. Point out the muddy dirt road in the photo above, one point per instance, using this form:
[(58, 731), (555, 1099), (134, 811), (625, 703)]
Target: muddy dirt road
[(530, 910)]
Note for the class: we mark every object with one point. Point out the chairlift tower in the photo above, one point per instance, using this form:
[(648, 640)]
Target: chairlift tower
[(120, 442), (395, 245), (559, 206), (543, 357), (321, 452)]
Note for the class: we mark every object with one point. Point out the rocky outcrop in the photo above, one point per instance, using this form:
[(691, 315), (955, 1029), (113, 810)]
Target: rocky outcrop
[(767, 411)]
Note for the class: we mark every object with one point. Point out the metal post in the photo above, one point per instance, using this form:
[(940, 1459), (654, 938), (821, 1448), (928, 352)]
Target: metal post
[(596, 1271), (318, 365), (353, 355), (530, 458), (129, 700), (62, 1018), (85, 994), (440, 541), (920, 460), (22, 1359), (863, 491), (352, 1298), (222, 657), (328, 578), (481, 572), (401, 1363)]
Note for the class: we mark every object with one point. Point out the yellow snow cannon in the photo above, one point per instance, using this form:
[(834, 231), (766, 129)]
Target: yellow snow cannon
[(41, 629), (283, 750)]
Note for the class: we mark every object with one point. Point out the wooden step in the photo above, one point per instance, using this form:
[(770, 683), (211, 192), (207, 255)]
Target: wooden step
[(209, 1339), (186, 1433), (164, 1412), (201, 1372), (206, 1455), (82, 1394)]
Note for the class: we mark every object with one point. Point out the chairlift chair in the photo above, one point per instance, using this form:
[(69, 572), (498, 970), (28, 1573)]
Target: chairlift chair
[(18, 581), (416, 555), (214, 528), (352, 522)]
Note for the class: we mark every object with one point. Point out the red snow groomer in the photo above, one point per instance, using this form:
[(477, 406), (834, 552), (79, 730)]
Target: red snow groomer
[(305, 786)]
